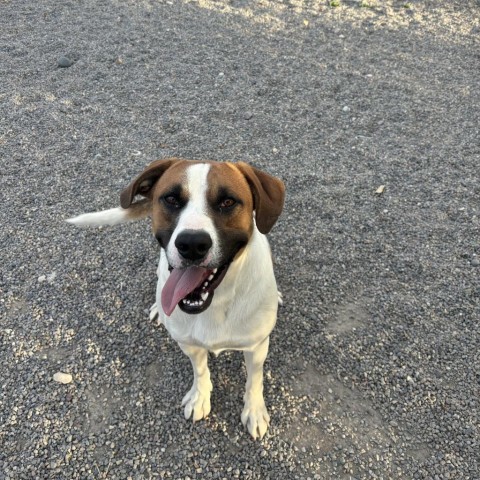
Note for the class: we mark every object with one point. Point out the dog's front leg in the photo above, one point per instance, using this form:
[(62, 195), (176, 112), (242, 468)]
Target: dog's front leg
[(197, 400), (255, 416)]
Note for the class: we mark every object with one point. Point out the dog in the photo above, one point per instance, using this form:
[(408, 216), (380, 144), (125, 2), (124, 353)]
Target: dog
[(216, 287)]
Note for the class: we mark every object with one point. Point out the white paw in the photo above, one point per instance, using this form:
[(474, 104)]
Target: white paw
[(280, 298), (197, 402), (256, 418), (154, 315)]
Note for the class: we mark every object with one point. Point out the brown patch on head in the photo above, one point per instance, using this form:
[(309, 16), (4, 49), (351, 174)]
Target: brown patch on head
[(164, 216), (227, 182), (152, 183), (143, 183)]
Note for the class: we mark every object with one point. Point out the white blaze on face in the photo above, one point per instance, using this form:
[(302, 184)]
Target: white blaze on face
[(195, 215)]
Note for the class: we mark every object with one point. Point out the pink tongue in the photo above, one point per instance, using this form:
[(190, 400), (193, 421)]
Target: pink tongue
[(179, 284)]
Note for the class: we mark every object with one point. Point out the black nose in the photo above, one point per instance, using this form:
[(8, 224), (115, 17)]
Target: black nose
[(193, 244)]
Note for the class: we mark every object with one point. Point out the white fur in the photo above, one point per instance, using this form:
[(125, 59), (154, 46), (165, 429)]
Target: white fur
[(114, 216), (241, 316)]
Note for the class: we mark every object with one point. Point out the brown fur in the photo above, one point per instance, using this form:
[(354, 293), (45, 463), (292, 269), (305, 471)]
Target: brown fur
[(139, 209), (226, 176), (162, 219), (143, 184), (268, 194)]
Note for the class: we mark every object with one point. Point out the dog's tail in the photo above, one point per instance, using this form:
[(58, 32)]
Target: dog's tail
[(113, 216)]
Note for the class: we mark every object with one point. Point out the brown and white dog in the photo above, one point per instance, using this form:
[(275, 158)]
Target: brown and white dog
[(216, 288)]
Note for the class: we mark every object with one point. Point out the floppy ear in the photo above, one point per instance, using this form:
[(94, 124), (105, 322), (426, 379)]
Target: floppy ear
[(145, 181), (268, 196)]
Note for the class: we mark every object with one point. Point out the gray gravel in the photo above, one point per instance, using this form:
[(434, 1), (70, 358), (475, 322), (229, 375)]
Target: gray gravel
[(374, 367)]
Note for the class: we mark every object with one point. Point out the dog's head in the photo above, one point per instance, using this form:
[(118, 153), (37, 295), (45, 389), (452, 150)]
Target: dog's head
[(203, 216)]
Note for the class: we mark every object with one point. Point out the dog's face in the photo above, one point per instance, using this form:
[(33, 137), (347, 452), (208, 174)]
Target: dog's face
[(202, 216)]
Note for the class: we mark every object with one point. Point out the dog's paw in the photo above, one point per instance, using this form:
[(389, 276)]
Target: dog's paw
[(280, 298), (154, 315), (256, 418), (197, 403)]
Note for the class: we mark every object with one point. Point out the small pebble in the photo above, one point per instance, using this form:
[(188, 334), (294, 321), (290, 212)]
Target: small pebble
[(346, 109), (475, 262), (248, 115), (64, 62), (51, 277), (61, 377)]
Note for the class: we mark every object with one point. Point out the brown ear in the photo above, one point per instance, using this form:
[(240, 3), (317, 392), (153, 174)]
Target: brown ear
[(145, 181), (268, 196)]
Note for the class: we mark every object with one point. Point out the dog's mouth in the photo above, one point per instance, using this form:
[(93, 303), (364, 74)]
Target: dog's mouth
[(191, 288)]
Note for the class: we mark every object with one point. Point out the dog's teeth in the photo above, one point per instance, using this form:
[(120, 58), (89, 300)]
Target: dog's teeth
[(205, 284), (215, 270), (204, 296), (210, 277), (200, 303)]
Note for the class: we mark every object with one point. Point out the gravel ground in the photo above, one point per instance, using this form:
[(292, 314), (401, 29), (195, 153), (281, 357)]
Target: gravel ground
[(374, 367)]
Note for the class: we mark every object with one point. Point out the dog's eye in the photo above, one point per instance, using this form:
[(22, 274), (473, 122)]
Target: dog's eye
[(172, 201), (227, 203)]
